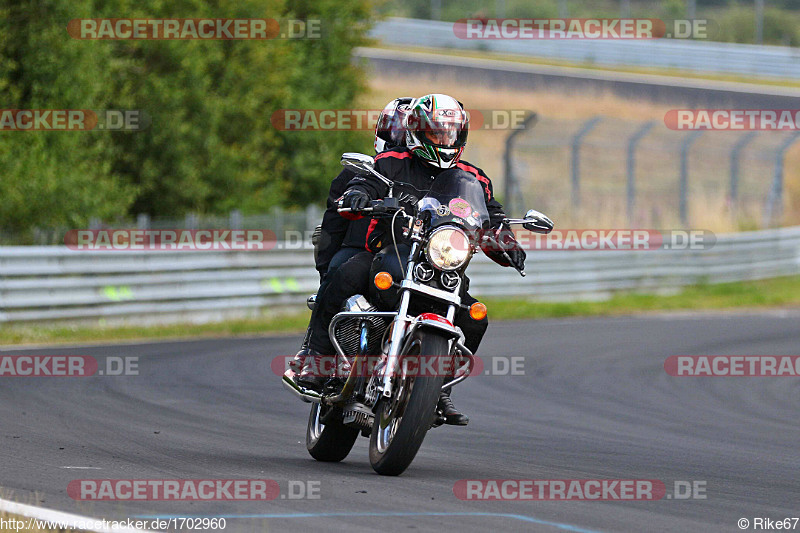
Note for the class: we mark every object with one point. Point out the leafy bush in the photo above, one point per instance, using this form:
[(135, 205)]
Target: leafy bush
[(210, 147)]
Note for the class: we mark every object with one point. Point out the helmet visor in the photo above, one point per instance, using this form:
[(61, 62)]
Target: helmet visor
[(390, 126), (443, 128)]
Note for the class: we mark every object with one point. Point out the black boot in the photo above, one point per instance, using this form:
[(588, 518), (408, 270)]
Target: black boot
[(296, 364), (310, 376), (452, 416)]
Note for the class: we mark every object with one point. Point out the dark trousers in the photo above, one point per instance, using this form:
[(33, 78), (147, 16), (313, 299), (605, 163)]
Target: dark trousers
[(340, 257), (351, 278)]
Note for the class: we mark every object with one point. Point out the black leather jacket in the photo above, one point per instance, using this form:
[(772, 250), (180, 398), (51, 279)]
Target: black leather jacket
[(413, 179)]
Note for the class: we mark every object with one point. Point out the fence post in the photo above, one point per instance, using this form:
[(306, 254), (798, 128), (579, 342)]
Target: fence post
[(631, 183), (774, 205), (576, 146), (511, 184), (736, 151), (686, 145), (235, 219)]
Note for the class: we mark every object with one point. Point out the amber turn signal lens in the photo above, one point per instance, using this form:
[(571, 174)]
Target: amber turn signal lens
[(477, 311), (383, 280)]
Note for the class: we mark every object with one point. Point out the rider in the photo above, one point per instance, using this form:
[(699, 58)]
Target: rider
[(436, 133), (338, 239), (342, 239)]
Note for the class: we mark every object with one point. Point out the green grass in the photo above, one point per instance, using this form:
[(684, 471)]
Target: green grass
[(771, 293), (38, 334), (777, 292)]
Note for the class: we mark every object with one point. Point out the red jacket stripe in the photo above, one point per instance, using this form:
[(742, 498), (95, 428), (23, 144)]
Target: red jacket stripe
[(372, 224), (393, 154), (474, 171)]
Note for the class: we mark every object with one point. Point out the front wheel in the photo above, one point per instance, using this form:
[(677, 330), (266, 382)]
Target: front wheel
[(329, 442), (401, 422)]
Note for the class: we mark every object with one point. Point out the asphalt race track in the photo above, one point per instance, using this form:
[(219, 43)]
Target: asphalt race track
[(594, 403)]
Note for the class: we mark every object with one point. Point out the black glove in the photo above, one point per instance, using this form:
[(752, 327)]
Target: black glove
[(505, 236), (517, 256), (355, 199)]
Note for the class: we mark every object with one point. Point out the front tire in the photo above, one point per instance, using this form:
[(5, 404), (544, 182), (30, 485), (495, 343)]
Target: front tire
[(402, 422), (329, 442)]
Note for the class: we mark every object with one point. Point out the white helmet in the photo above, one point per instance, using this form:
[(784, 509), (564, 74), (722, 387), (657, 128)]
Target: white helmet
[(436, 130), (390, 128)]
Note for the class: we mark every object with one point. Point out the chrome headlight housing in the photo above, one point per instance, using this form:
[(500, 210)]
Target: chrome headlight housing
[(448, 248)]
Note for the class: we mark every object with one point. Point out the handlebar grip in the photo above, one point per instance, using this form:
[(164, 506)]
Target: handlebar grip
[(350, 210)]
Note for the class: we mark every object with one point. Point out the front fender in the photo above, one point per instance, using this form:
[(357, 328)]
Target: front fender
[(438, 322)]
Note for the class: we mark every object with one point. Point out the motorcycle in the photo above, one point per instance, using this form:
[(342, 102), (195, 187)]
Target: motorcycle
[(390, 400)]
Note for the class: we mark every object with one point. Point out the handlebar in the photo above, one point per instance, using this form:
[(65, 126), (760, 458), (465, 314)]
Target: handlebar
[(377, 207)]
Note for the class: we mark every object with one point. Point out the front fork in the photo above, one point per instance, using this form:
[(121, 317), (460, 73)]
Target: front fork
[(400, 326)]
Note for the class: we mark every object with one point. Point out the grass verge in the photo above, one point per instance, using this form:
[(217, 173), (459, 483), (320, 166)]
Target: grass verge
[(38, 334), (771, 293)]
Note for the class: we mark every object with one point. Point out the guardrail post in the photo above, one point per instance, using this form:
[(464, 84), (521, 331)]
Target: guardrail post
[(774, 205), (735, 152), (191, 221), (277, 213), (511, 185), (235, 219), (142, 221), (686, 145), (631, 183), (312, 217), (576, 160)]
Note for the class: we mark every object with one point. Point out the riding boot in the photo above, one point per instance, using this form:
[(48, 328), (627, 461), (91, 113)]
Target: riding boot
[(452, 416)]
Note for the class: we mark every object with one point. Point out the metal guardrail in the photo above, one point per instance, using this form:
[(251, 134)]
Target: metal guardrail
[(699, 56), (49, 283)]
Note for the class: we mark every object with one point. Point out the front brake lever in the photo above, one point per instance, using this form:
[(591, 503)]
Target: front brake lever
[(494, 242)]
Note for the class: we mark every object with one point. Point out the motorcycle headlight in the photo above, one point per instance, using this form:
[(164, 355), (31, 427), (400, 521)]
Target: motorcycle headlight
[(448, 248)]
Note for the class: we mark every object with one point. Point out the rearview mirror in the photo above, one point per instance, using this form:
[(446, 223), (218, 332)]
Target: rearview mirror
[(358, 162), (365, 164), (534, 221), (537, 222)]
